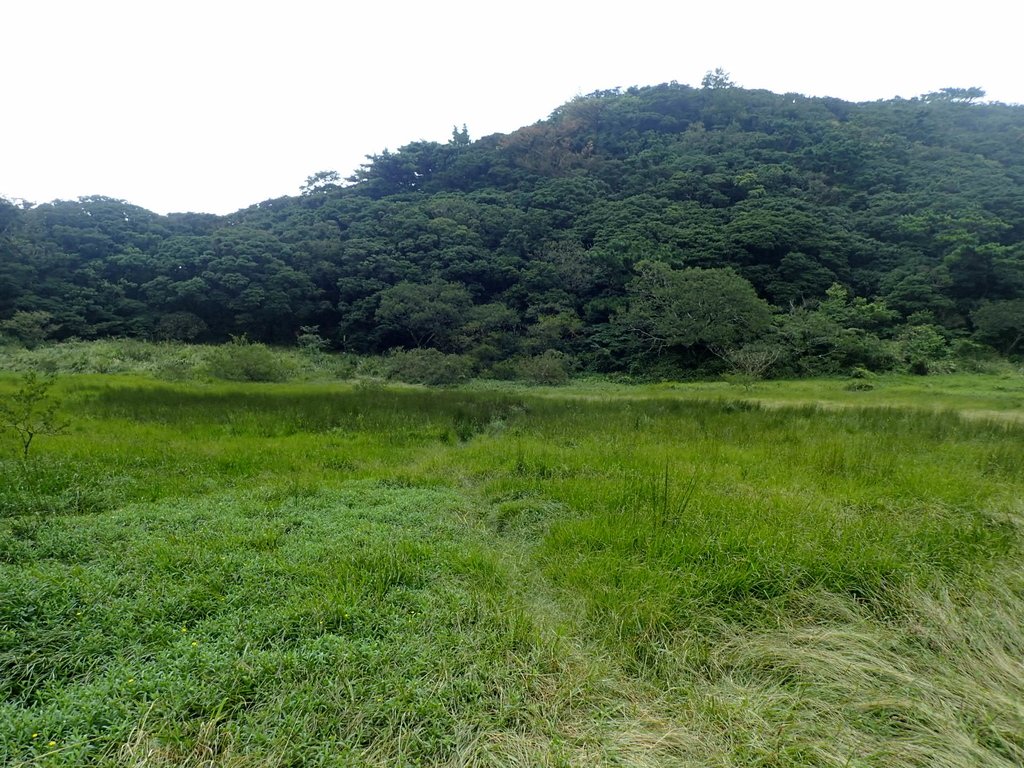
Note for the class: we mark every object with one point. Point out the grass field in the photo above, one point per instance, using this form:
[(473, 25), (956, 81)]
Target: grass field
[(791, 574)]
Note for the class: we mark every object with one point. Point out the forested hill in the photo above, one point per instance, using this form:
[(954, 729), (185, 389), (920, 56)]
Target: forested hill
[(655, 228)]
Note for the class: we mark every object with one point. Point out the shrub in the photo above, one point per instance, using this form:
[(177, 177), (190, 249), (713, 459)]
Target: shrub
[(859, 372), (30, 411), (551, 367), (242, 360), (180, 326), (310, 341), (29, 328), (922, 348), (427, 366), (753, 360)]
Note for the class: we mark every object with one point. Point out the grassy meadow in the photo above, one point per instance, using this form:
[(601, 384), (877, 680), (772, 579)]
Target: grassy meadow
[(204, 573)]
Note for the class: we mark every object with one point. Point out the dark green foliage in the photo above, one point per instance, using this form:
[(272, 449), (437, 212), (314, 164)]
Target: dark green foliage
[(1001, 323), (511, 245), (714, 308)]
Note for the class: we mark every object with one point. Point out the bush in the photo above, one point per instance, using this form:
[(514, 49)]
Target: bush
[(552, 367), (242, 360), (923, 349), (427, 366), (29, 328), (180, 326), (859, 372)]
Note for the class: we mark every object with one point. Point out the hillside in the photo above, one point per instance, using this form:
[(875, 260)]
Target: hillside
[(656, 228)]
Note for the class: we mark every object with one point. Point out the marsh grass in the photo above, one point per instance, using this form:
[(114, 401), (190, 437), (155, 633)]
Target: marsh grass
[(284, 574)]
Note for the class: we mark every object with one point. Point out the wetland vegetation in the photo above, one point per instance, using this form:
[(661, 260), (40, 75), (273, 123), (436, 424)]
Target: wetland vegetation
[(357, 573)]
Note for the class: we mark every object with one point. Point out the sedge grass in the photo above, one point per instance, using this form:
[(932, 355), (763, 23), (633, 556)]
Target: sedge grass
[(327, 574)]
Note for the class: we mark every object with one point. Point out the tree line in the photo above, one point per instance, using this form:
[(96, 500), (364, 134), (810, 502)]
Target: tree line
[(662, 229)]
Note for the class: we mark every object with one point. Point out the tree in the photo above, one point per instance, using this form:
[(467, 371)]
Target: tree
[(180, 326), (838, 333), (753, 360), (920, 346), (715, 308), (30, 328), (428, 315), (1000, 323), (459, 138), (718, 78), (955, 95), (30, 411), (320, 182)]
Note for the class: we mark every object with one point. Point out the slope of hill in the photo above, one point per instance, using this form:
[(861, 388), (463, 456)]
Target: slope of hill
[(831, 234)]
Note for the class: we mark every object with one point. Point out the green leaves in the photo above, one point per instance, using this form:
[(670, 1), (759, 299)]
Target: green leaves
[(689, 307), (30, 411)]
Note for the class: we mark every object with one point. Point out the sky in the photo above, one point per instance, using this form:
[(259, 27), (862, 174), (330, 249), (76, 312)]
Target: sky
[(215, 105)]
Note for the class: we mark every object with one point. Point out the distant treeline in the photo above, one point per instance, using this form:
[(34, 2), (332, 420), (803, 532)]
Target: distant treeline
[(663, 229)]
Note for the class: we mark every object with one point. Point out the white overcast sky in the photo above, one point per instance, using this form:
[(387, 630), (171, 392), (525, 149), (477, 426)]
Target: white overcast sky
[(215, 105)]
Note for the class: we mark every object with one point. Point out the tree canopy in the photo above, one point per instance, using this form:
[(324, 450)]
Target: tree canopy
[(633, 228)]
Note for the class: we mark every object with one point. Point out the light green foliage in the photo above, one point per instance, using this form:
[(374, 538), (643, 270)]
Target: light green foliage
[(243, 360), (319, 574), (428, 366), (31, 411), (310, 341), (552, 331), (29, 328), (922, 347), (549, 367)]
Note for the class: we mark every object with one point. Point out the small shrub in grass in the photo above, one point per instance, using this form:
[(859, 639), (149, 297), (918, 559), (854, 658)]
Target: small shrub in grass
[(744, 380), (310, 341), (341, 366), (30, 411), (971, 357), (860, 372), (177, 368), (371, 367), (243, 360), (551, 367), (427, 366)]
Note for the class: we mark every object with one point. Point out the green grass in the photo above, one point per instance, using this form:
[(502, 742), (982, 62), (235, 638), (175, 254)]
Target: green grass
[(793, 574)]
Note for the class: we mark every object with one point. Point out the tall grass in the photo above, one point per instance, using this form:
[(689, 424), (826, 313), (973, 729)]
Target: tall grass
[(329, 574)]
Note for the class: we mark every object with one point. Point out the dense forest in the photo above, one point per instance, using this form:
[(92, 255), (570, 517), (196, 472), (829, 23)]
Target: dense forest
[(664, 230)]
